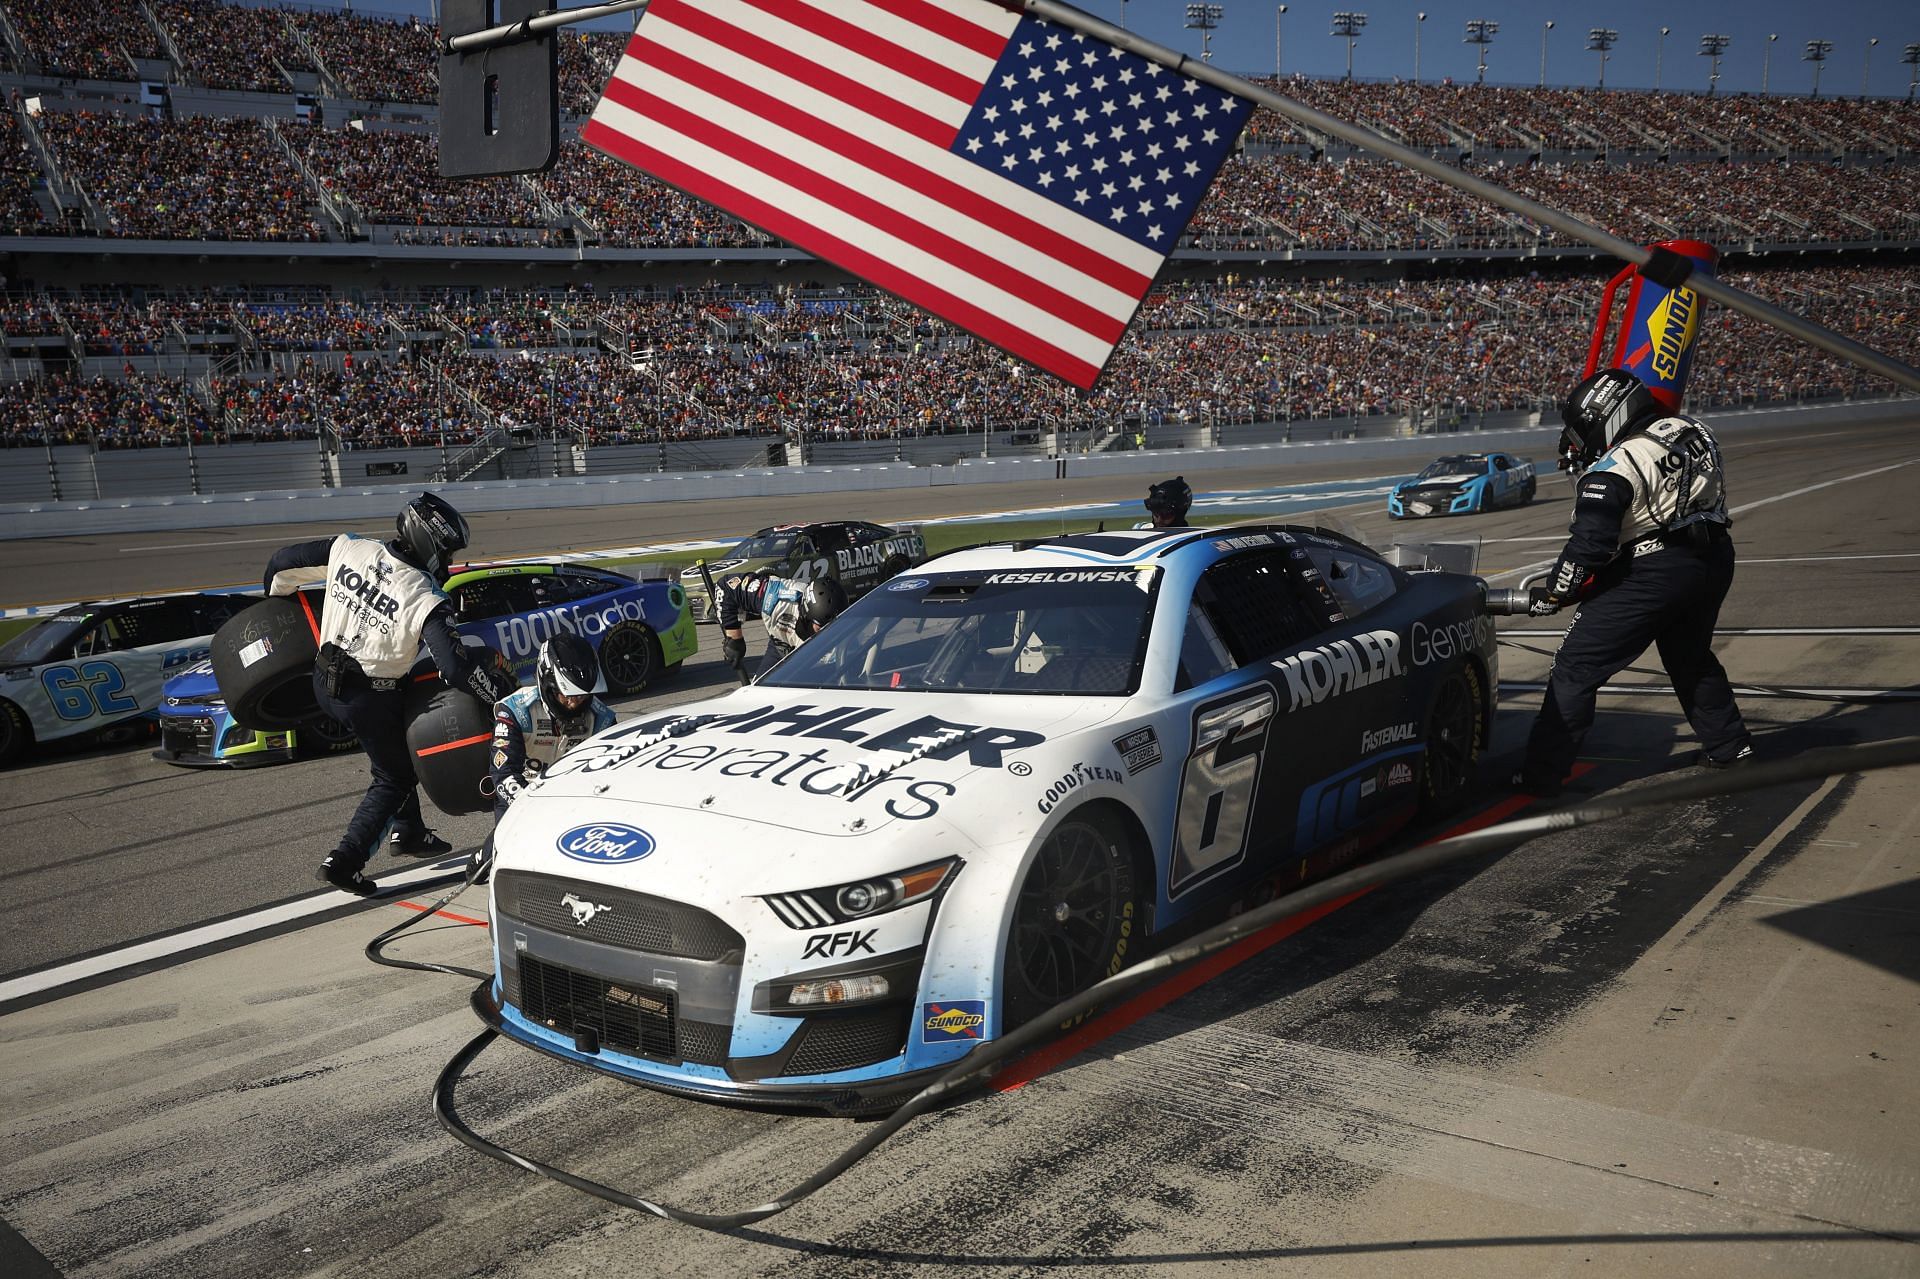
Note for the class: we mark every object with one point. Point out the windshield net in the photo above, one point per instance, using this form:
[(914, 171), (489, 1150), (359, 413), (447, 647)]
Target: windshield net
[(764, 546), (1056, 631)]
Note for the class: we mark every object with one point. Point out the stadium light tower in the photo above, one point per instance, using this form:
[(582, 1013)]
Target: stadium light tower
[(1347, 26), (1659, 56), (1279, 12), (1866, 65), (1419, 20), (1204, 18), (1817, 51), (1712, 46), (1766, 63), (1912, 58), (1544, 28), (1601, 40), (1480, 32)]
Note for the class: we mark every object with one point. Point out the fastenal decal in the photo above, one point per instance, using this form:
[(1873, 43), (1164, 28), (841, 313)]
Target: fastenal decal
[(1082, 775), (955, 1019), (1340, 667), (1379, 737), (605, 843), (1139, 750)]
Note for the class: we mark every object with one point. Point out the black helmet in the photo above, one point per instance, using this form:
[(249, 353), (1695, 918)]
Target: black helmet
[(822, 600), (568, 674), (1603, 410), (1169, 500), (428, 532)]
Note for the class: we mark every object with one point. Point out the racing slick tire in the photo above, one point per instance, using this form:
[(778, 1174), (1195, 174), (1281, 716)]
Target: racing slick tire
[(896, 565), (1456, 732), (1075, 917), (16, 732), (630, 657), (450, 739), (1526, 494), (263, 661)]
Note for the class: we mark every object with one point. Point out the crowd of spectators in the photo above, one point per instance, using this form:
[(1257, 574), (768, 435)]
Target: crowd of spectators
[(192, 179), (88, 41), (393, 176), (383, 59), (19, 213), (230, 46), (851, 364)]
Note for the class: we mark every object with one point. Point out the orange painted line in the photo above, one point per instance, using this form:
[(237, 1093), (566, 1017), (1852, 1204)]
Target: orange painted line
[(1026, 1069), (444, 914), (454, 746), (312, 622)]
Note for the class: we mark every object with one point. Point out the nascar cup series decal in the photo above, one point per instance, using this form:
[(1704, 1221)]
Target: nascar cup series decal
[(604, 843), (955, 1019)]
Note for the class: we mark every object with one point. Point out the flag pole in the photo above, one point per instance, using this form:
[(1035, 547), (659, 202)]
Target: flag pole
[(1735, 299)]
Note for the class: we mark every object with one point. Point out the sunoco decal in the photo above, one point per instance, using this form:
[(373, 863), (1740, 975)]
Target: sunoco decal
[(1340, 667), (1139, 750), (955, 1019), (605, 843)]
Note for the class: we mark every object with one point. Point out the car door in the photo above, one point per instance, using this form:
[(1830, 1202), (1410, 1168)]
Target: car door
[(1501, 484), (120, 662)]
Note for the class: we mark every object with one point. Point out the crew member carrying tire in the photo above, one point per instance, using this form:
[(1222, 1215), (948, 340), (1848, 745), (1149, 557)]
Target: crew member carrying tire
[(1168, 503), (383, 600), (1649, 562), (534, 726), (794, 613)]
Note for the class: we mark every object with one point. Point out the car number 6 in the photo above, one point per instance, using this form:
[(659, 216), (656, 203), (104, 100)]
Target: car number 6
[(1218, 787)]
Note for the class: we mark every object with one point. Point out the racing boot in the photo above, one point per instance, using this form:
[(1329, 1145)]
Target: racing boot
[(1741, 756), (480, 866), (340, 871), (417, 843)]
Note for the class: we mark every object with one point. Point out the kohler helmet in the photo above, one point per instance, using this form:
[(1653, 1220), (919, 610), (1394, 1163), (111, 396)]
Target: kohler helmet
[(1168, 502), (823, 600), (1603, 410), (568, 675), (428, 531)]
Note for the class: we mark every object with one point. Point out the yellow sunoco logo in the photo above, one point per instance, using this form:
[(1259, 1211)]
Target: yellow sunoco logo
[(953, 1021), (1670, 329)]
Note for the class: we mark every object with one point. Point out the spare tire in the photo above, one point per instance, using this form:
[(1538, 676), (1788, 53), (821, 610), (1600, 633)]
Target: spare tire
[(450, 737), (263, 661)]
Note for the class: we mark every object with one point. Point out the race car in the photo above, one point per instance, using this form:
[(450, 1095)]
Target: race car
[(639, 629), (99, 669), (1461, 483), (989, 783), (860, 554)]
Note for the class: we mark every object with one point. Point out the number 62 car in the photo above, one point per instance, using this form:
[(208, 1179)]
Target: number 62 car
[(989, 783)]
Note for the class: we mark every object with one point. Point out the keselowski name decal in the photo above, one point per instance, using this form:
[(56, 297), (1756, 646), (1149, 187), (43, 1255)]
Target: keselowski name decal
[(1340, 667), (1061, 577)]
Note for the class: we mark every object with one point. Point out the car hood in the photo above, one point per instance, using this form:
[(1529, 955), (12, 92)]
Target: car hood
[(692, 573), (194, 684), (730, 783)]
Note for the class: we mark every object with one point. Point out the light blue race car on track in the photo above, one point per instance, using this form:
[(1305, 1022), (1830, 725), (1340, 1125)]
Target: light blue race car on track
[(1463, 483)]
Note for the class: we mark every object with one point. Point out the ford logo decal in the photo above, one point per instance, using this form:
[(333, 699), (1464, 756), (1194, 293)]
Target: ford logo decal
[(910, 584), (605, 842)]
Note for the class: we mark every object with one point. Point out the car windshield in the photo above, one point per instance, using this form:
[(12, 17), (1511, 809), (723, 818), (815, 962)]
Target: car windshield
[(41, 643), (774, 544), (1454, 468), (1079, 632)]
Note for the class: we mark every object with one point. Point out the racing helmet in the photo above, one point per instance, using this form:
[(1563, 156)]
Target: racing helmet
[(428, 531), (568, 675), (1168, 502), (823, 600), (1603, 410)]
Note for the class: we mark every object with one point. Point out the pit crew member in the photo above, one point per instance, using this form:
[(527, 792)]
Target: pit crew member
[(794, 612), (1168, 503), (534, 726), (383, 601), (1649, 561)]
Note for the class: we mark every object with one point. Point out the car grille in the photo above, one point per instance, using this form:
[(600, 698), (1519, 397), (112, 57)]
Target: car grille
[(640, 1021), (633, 921), (181, 736), (841, 1041)]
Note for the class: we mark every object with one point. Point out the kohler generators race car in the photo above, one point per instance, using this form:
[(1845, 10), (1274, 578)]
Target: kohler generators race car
[(1463, 483), (860, 554), (989, 783)]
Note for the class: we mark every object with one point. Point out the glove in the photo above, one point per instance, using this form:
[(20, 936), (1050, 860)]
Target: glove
[(490, 684), (1542, 604), (734, 650)]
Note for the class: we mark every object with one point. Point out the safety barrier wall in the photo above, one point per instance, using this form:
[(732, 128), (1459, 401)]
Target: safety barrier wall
[(230, 510)]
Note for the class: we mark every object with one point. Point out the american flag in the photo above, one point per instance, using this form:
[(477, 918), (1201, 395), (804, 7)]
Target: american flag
[(1015, 178)]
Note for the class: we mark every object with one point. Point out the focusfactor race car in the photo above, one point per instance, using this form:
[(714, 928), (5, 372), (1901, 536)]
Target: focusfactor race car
[(97, 668), (986, 785), (860, 554), (639, 629), (1461, 483)]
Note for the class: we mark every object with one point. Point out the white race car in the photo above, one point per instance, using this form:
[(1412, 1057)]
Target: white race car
[(99, 668), (988, 784)]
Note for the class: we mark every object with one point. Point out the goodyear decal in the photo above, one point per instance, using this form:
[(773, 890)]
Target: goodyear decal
[(956, 1019)]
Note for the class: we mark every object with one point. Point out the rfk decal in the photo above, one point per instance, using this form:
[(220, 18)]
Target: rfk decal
[(829, 945)]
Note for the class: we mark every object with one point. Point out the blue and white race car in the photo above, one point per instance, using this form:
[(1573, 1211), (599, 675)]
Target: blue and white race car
[(1462, 483), (99, 669), (639, 629), (989, 783)]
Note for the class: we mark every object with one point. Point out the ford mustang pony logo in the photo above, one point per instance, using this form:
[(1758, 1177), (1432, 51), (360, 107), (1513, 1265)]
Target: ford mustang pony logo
[(605, 842), (583, 910)]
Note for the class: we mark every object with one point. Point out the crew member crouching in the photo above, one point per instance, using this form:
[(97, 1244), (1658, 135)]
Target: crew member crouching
[(794, 612)]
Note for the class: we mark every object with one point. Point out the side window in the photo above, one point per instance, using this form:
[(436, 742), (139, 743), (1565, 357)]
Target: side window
[(1358, 581), (211, 612), (1251, 603), (1502, 462), (564, 588), (1203, 654), (828, 538), (485, 598)]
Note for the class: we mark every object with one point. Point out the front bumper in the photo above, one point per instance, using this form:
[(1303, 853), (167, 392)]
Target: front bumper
[(1418, 504), (202, 738)]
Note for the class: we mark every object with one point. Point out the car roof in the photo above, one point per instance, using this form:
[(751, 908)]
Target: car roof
[(1115, 547)]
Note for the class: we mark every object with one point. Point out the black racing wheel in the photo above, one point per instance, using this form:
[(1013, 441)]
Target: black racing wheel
[(1455, 735), (16, 732), (1075, 918), (630, 657)]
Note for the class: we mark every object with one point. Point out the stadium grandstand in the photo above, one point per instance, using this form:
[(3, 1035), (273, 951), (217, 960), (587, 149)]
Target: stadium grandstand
[(226, 227)]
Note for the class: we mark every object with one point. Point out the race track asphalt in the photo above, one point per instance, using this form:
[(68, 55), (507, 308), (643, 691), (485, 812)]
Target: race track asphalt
[(1680, 1042)]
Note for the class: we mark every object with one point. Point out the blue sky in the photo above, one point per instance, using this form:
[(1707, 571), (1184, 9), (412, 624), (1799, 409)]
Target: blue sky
[(1244, 40)]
